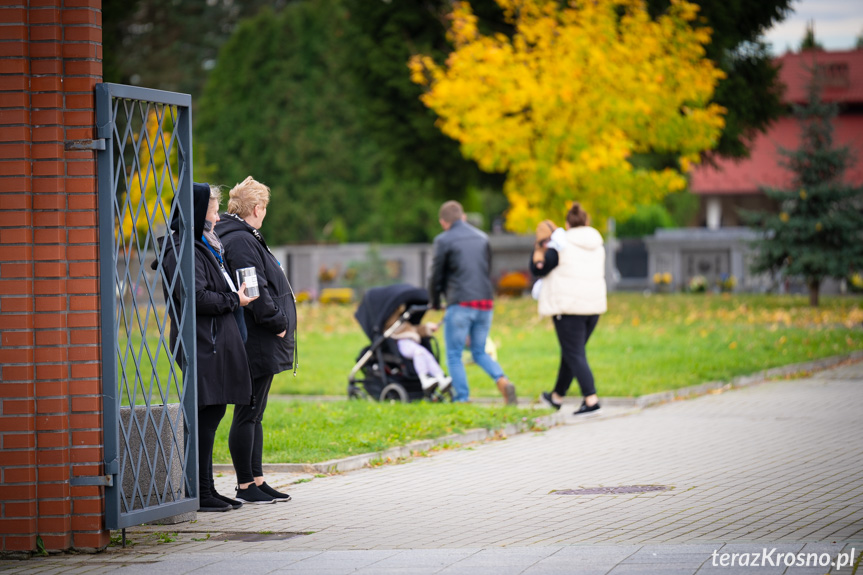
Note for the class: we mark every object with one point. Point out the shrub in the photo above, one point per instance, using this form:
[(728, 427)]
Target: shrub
[(645, 221), (513, 283), (662, 278), (698, 284)]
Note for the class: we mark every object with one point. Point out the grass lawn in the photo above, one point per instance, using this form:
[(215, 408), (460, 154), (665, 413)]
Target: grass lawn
[(302, 432), (644, 344)]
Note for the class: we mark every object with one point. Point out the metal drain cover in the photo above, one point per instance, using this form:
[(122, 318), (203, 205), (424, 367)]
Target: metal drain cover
[(622, 489), (254, 537)]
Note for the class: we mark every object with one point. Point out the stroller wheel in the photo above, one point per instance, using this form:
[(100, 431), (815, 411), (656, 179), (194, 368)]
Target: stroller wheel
[(438, 397), (394, 392), (356, 392)]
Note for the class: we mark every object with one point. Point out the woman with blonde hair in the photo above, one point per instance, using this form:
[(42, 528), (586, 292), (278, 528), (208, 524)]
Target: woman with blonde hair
[(222, 366), (271, 321)]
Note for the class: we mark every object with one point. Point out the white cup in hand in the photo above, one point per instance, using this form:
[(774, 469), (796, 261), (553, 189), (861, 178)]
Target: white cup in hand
[(244, 299)]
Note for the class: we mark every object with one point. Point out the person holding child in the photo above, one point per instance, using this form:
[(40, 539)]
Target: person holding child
[(570, 263)]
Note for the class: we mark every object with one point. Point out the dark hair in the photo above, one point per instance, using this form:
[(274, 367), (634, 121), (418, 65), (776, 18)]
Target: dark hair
[(576, 216)]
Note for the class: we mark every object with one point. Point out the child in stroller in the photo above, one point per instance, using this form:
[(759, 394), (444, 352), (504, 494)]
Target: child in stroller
[(409, 340), (401, 361)]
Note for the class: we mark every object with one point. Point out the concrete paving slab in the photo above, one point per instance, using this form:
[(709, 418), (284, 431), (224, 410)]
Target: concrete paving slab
[(709, 570), (564, 570), (428, 558), (770, 465), (628, 569)]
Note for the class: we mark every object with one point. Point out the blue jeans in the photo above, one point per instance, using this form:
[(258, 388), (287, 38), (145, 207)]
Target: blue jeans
[(459, 322)]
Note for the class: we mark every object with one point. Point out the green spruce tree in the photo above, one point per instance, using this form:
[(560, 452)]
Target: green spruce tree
[(809, 42), (818, 233)]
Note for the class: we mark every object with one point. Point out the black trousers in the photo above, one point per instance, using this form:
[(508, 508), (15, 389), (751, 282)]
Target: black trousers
[(573, 331), (209, 417), (246, 439)]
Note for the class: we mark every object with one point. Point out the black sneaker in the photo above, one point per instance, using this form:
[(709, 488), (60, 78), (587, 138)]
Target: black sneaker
[(232, 502), (252, 494), (277, 495), (213, 505), (549, 401), (585, 409)]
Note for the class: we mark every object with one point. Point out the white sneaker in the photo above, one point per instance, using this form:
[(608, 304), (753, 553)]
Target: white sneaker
[(427, 382), (443, 383)]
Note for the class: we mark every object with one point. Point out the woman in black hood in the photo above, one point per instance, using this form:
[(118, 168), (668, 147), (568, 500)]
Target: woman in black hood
[(222, 365)]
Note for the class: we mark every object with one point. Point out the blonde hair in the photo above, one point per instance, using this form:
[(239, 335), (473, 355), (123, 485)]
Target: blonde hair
[(215, 194), (451, 211), (249, 193)]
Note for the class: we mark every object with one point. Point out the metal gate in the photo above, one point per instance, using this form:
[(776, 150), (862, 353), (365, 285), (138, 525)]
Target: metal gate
[(149, 391)]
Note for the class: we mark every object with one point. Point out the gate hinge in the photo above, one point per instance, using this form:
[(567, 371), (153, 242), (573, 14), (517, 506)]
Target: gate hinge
[(85, 145), (100, 480), (111, 469)]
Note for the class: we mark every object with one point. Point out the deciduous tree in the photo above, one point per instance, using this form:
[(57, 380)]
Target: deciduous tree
[(152, 176), (563, 104)]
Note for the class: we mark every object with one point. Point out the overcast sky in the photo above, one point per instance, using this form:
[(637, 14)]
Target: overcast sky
[(838, 23)]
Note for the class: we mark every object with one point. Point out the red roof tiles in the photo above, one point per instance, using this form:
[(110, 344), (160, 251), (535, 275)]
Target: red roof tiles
[(843, 83), (842, 74), (762, 168)]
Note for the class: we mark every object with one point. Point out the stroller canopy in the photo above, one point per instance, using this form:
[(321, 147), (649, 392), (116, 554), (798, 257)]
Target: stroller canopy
[(381, 302)]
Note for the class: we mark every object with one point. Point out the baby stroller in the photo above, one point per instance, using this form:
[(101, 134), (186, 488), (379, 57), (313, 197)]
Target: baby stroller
[(381, 372)]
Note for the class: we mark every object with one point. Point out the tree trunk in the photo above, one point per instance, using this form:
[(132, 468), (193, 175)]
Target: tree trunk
[(814, 287)]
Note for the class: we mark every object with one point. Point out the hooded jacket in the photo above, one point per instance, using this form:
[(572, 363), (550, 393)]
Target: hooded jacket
[(274, 311), (222, 367), (576, 285)]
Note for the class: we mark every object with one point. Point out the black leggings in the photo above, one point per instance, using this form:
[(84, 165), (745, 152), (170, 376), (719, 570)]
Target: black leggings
[(573, 331), (246, 440), (209, 417)]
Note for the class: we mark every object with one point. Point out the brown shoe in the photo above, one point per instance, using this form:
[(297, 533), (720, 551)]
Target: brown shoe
[(507, 390)]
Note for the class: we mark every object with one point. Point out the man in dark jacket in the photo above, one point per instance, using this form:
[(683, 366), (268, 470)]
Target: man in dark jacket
[(222, 367), (461, 271), (271, 321)]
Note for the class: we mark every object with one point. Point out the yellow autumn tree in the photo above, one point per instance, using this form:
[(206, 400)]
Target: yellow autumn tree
[(154, 171), (563, 104)]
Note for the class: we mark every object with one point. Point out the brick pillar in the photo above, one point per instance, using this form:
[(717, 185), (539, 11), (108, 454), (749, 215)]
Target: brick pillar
[(50, 402)]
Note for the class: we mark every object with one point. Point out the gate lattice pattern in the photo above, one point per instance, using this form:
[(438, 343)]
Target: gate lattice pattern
[(150, 415)]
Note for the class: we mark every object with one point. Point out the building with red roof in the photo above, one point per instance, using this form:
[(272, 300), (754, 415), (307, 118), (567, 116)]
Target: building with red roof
[(731, 185)]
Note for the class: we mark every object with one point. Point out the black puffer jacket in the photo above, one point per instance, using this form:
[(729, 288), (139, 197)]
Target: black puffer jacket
[(275, 310), (223, 369), (461, 266)]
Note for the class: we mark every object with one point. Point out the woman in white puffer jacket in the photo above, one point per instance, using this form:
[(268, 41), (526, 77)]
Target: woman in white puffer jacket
[(573, 292)]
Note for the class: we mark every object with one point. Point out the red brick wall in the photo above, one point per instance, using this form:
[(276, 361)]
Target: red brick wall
[(50, 403)]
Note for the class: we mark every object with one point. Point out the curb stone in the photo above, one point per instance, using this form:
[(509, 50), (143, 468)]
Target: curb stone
[(360, 461), (743, 380), (633, 404), (661, 396)]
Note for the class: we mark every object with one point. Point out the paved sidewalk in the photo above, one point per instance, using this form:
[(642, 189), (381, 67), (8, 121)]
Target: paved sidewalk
[(777, 465)]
